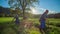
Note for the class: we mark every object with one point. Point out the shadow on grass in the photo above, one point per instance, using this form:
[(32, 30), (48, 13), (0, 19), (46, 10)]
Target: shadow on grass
[(8, 27)]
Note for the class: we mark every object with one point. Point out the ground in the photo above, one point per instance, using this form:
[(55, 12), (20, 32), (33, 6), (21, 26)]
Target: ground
[(7, 26)]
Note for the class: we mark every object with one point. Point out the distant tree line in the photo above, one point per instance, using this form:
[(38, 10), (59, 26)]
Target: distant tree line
[(7, 12), (57, 15)]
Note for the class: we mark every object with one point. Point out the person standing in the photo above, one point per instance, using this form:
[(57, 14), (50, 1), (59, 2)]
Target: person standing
[(16, 19), (42, 21)]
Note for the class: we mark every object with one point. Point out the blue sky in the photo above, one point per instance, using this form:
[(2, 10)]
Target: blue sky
[(51, 5), (4, 3)]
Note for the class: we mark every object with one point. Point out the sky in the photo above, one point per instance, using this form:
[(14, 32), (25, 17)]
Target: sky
[(4, 3), (52, 5)]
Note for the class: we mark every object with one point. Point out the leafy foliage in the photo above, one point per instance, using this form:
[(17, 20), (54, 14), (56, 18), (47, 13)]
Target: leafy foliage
[(22, 4)]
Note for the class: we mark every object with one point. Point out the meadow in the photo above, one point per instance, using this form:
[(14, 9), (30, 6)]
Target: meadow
[(6, 26)]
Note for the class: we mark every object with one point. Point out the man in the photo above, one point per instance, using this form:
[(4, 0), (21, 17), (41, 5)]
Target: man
[(17, 19), (42, 21)]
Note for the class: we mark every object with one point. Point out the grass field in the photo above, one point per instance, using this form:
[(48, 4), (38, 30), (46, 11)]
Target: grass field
[(55, 23)]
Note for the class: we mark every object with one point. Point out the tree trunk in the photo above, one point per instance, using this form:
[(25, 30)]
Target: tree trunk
[(23, 13), (23, 6)]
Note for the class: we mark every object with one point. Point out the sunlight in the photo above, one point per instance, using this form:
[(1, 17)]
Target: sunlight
[(39, 10), (36, 11)]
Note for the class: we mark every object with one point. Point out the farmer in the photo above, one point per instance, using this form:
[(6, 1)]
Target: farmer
[(42, 21), (16, 19)]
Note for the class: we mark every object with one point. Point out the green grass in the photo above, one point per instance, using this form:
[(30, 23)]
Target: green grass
[(53, 22), (54, 30), (5, 19), (9, 19)]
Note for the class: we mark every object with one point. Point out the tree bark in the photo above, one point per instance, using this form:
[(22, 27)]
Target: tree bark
[(23, 13)]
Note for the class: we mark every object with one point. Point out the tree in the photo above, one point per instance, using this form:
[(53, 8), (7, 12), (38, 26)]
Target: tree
[(22, 4)]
